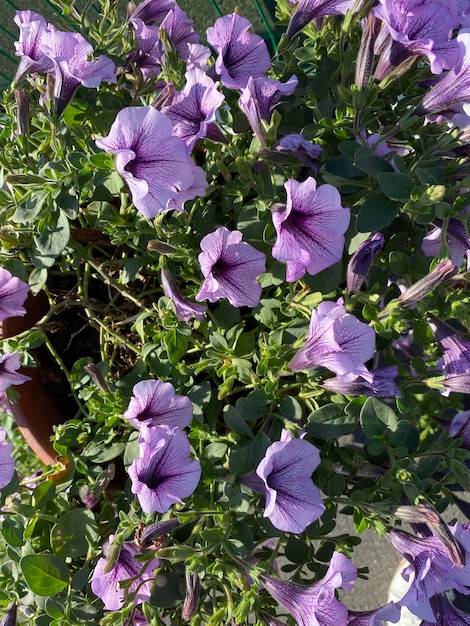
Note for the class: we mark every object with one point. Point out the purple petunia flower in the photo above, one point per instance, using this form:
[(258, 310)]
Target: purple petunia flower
[(179, 29), (230, 267), (241, 54), (310, 228), (13, 293), (9, 363), (105, 584), (70, 52), (361, 261), (155, 403), (185, 310), (292, 500), (164, 473), (445, 613), (154, 163), (308, 10), (456, 237), (148, 56), (338, 341), (315, 605), (259, 98), (299, 147), (151, 11), (460, 427), (390, 613), (7, 463), (381, 385), (192, 111), (456, 357), (32, 27)]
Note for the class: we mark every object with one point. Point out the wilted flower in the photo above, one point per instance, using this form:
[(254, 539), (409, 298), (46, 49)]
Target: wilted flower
[(338, 341), (310, 228), (316, 605), (154, 163), (442, 272), (230, 267), (109, 572), (185, 310), (381, 385), (299, 147), (155, 403), (361, 261), (9, 364), (163, 474), (13, 293), (292, 500), (191, 600)]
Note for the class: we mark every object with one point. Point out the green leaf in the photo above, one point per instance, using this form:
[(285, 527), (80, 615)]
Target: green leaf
[(37, 280), (175, 344), (75, 531), (45, 574), (342, 166), (376, 417), (12, 532), (377, 212), (373, 165), (329, 422), (406, 436), (396, 186), (234, 421), (43, 493), (102, 452), (30, 208), (56, 236)]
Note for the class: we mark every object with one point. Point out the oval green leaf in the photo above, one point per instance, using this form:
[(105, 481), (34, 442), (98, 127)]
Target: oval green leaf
[(74, 532), (45, 574)]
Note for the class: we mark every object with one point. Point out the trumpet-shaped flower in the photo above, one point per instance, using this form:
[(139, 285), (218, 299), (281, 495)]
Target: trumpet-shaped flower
[(185, 310), (32, 27), (445, 613), (361, 261), (381, 385), (155, 403), (9, 364), (310, 228), (109, 572), (338, 341), (69, 53), (230, 267), (308, 10), (13, 293), (389, 613), (7, 463), (151, 11), (316, 605), (180, 31), (292, 500), (154, 163), (299, 147), (164, 473), (456, 357), (456, 238), (241, 54)]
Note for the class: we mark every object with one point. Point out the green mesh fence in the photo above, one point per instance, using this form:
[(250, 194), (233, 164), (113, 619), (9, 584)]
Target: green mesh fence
[(203, 12)]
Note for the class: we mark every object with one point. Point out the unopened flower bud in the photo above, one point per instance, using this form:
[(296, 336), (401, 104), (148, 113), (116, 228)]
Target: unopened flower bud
[(97, 376), (22, 111), (442, 272), (365, 56), (114, 551), (152, 537), (191, 600), (361, 261), (163, 248), (10, 618)]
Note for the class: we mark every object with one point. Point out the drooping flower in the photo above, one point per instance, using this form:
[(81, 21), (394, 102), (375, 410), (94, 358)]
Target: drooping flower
[(456, 238), (191, 600), (389, 613), (155, 403), (151, 11), (310, 228), (230, 267), (7, 463), (308, 10), (179, 29), (70, 54), (164, 473), (240, 54), (443, 271), (315, 605), (381, 385), (9, 364), (259, 98), (154, 163), (299, 147), (292, 500), (361, 261), (13, 293), (193, 110), (110, 571), (338, 341), (185, 310), (32, 29)]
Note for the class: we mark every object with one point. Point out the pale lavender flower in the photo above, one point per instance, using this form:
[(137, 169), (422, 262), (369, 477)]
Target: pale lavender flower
[(230, 267), (309, 228), (180, 31), (32, 27), (240, 54), (154, 163), (110, 571), (70, 54), (155, 403), (7, 463), (433, 567), (338, 341), (185, 310), (315, 605), (292, 500), (151, 11), (460, 427), (443, 271), (361, 261), (457, 382), (259, 98), (382, 385), (148, 56), (9, 364), (13, 293), (389, 613), (445, 613), (193, 110), (456, 357), (308, 10), (456, 238), (164, 473), (299, 147)]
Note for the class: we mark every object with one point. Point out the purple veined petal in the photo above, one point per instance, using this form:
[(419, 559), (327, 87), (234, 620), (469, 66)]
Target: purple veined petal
[(105, 585), (382, 384), (148, 57), (361, 260), (388, 613), (315, 220), (308, 10), (445, 613), (292, 500), (456, 348), (163, 474), (456, 238), (241, 54), (151, 11), (185, 310), (7, 462), (13, 293), (155, 403), (179, 29), (299, 147), (230, 267), (33, 27), (9, 364)]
